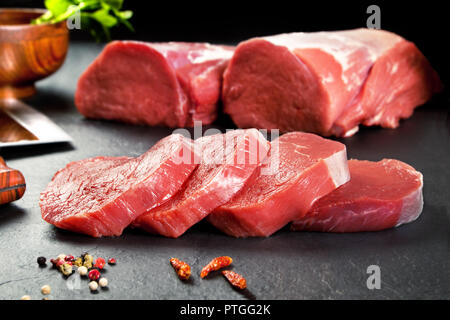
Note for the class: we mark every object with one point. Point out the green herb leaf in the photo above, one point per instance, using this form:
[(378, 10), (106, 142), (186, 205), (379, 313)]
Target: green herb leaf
[(58, 7), (124, 15), (115, 4), (97, 16), (103, 17)]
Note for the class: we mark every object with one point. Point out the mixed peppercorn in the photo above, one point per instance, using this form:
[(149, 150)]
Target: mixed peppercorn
[(85, 267)]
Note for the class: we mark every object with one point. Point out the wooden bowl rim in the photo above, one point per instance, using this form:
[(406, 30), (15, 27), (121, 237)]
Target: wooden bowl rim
[(27, 25)]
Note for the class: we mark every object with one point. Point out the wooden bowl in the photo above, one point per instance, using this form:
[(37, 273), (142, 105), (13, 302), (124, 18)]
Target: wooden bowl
[(28, 52)]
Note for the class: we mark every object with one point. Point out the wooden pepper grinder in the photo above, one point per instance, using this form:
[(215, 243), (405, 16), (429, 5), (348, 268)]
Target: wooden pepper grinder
[(12, 183)]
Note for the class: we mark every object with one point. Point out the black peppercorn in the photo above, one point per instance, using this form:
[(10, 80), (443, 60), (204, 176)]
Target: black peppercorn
[(41, 261)]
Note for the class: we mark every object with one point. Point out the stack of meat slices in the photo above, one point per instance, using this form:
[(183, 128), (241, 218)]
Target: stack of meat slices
[(240, 182)]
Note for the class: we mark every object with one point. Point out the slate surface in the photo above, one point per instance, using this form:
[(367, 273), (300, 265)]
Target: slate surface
[(414, 259)]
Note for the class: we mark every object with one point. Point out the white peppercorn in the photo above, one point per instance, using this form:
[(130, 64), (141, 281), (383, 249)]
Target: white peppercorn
[(93, 285)]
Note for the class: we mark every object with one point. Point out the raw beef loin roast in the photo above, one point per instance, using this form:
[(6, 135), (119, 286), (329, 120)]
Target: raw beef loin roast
[(380, 195), (301, 168), (326, 82), (170, 84), (227, 163), (101, 196)]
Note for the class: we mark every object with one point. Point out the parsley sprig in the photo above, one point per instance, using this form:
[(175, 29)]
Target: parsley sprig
[(96, 16)]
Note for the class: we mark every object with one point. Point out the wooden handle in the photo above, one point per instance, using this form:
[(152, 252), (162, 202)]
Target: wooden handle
[(12, 183)]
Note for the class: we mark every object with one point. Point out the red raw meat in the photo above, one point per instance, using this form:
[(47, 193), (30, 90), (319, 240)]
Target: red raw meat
[(228, 161), (380, 195), (171, 84), (101, 196), (326, 82), (302, 167)]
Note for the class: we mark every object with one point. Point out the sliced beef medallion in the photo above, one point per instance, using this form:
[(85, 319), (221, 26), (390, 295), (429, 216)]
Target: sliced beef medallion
[(326, 82), (380, 195), (301, 168), (103, 195), (228, 161), (169, 84)]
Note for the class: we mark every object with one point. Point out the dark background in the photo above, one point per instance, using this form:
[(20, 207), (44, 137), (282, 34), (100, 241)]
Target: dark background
[(288, 265), (231, 21)]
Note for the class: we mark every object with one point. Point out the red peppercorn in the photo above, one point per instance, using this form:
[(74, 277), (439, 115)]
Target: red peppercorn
[(99, 263), (94, 275), (69, 258), (112, 261), (60, 262)]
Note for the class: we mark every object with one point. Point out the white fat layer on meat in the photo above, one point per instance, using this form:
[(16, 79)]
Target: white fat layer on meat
[(196, 52), (394, 68), (376, 118), (341, 45), (210, 52), (182, 100), (328, 78), (351, 132), (338, 168), (412, 206)]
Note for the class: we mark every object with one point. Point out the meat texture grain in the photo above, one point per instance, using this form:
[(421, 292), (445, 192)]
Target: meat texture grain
[(380, 195), (168, 84), (302, 168), (227, 162), (327, 82), (103, 195)]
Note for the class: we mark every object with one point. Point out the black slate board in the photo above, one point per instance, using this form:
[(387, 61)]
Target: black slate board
[(413, 258)]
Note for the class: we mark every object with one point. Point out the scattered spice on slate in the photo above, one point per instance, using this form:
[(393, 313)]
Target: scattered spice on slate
[(41, 261), (93, 285), (88, 260), (182, 269), (78, 262), (54, 262), (46, 289), (99, 263), (94, 275), (85, 267), (66, 269), (216, 264), (103, 282), (235, 279), (59, 263), (82, 271)]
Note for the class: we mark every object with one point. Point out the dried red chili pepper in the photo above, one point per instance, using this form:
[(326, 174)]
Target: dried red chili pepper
[(182, 268), (235, 279), (216, 264)]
